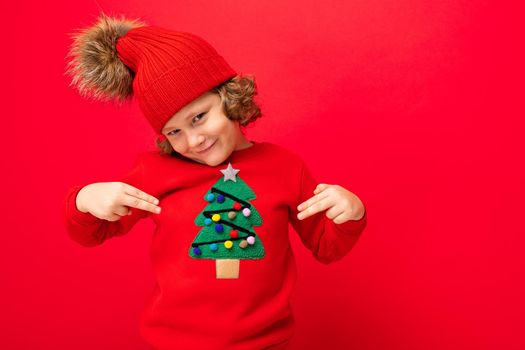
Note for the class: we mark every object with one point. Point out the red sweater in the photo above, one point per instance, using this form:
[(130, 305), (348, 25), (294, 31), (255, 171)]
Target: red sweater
[(191, 307)]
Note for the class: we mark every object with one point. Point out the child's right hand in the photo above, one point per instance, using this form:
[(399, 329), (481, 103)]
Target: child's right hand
[(113, 200)]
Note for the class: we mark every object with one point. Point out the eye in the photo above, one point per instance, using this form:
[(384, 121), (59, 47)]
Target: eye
[(195, 119), (198, 117)]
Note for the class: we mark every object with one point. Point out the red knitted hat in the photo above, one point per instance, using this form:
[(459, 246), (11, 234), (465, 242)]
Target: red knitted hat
[(164, 69)]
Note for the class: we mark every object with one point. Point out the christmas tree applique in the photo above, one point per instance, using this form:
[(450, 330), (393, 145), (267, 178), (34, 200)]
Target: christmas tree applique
[(227, 221)]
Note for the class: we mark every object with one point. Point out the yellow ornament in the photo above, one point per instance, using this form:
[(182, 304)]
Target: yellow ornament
[(228, 244), (216, 217)]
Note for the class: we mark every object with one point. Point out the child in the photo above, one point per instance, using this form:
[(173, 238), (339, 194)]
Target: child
[(226, 201)]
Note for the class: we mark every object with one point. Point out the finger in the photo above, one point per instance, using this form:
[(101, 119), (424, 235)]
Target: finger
[(113, 217), (133, 191), (310, 201), (316, 207), (334, 211), (341, 218), (121, 211), (320, 188), (134, 202)]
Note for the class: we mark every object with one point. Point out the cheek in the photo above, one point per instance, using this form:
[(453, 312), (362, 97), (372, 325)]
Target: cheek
[(177, 146), (215, 124), (228, 127), (215, 129)]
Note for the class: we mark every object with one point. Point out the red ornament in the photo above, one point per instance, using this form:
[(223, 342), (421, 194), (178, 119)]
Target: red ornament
[(234, 233), (237, 206)]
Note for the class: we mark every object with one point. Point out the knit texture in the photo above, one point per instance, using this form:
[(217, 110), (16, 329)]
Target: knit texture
[(171, 70)]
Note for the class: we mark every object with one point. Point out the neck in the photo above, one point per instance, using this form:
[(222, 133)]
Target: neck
[(244, 145)]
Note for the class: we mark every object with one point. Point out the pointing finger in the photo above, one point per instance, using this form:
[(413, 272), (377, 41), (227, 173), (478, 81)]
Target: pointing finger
[(133, 191), (310, 201), (316, 207), (134, 202)]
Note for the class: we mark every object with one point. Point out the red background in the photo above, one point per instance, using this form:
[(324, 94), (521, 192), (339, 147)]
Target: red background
[(415, 106)]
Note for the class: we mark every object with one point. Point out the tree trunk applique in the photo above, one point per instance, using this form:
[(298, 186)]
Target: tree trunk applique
[(227, 222)]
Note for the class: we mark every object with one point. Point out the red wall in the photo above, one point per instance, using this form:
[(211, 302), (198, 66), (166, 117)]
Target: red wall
[(415, 106)]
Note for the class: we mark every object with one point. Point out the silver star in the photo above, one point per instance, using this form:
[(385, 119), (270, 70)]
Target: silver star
[(229, 173)]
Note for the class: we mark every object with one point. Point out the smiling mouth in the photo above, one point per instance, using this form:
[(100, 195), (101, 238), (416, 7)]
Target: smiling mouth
[(207, 149)]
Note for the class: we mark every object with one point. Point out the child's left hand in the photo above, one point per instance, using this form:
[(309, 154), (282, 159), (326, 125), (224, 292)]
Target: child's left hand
[(342, 204)]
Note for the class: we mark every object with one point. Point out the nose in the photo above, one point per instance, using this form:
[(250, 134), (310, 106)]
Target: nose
[(195, 140)]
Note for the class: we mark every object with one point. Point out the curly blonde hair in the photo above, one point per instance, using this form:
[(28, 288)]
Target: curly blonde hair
[(238, 104)]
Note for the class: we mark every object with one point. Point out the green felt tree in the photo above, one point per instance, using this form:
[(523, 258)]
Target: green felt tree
[(227, 221)]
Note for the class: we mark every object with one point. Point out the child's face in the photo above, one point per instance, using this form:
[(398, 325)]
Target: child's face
[(202, 132)]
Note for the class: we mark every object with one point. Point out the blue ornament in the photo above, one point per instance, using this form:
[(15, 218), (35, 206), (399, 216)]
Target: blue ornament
[(197, 251), (220, 198), (219, 228), (210, 197), (213, 247), (207, 221)]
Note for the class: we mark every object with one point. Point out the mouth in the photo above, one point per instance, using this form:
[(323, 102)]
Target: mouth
[(206, 150)]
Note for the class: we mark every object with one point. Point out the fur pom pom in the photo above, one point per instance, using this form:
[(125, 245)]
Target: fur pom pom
[(94, 66)]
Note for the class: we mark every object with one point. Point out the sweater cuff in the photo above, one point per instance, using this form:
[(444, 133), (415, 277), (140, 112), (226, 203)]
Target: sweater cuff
[(351, 226), (72, 211)]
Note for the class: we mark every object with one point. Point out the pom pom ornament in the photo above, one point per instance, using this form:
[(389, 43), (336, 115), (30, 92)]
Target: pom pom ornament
[(241, 241), (94, 66), (197, 251)]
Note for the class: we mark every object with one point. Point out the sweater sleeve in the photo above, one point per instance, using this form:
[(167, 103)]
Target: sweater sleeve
[(328, 241), (88, 230)]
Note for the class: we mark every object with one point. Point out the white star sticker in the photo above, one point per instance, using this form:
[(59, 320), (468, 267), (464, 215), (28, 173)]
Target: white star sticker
[(229, 173)]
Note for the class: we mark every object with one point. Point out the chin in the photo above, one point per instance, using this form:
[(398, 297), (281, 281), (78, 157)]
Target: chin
[(213, 161), (210, 160), (218, 158)]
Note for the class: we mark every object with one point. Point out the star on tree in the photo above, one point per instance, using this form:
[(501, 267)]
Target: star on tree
[(229, 173)]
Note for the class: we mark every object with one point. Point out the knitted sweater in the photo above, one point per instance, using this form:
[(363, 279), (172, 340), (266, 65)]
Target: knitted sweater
[(194, 306)]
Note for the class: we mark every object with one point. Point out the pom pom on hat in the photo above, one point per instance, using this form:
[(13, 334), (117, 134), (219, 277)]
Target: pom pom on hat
[(95, 68)]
